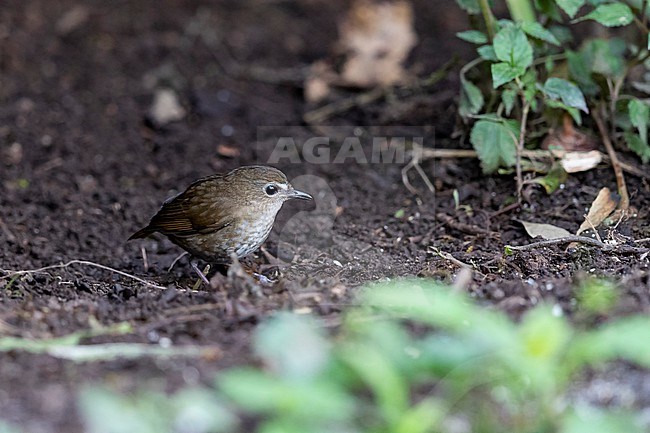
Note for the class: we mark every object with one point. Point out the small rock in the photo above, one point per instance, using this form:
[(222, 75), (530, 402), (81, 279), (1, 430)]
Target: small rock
[(165, 108)]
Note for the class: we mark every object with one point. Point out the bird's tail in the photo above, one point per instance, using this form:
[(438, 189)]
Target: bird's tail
[(142, 233)]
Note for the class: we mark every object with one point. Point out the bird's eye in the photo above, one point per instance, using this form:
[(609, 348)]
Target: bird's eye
[(271, 189)]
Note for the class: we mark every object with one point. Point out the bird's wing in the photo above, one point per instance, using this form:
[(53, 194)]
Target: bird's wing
[(198, 210)]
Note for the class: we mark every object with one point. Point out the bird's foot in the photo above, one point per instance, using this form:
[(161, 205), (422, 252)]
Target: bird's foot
[(239, 277)]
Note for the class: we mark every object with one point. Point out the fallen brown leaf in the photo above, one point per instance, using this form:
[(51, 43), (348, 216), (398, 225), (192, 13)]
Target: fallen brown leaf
[(601, 208), (546, 231), (375, 38)]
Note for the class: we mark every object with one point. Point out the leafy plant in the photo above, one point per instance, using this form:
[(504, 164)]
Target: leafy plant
[(188, 411), (415, 357), (539, 70)]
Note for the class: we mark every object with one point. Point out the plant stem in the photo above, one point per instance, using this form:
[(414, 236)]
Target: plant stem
[(596, 114), (520, 146), (488, 17), (521, 10)]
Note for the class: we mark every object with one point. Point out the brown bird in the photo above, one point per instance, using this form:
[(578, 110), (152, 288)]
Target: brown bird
[(224, 215)]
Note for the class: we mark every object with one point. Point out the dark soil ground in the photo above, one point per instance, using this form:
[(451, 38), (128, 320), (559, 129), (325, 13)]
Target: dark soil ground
[(81, 169)]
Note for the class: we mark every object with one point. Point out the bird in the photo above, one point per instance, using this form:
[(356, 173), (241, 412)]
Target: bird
[(224, 217)]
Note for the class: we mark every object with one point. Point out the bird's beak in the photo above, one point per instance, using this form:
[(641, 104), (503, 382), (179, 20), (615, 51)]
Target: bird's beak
[(294, 193)]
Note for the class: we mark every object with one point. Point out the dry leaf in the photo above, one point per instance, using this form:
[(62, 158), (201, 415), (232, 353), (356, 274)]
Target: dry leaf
[(574, 162), (546, 231), (377, 37), (601, 208)]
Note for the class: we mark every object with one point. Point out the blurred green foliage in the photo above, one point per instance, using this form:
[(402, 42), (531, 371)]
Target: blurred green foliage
[(414, 357)]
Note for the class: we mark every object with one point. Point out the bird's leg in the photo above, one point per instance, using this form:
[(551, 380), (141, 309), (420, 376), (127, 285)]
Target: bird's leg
[(202, 277), (237, 272)]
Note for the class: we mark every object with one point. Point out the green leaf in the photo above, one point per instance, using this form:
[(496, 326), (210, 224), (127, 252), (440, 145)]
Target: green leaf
[(549, 8), (529, 83), (424, 416), (512, 47), (605, 56), (587, 419), (469, 6), (473, 36), (381, 376), (432, 303), (487, 52), (508, 97), (259, 393), (542, 340), (199, 410), (596, 296), (553, 179), (471, 100), (292, 346), (104, 411), (571, 110), (639, 114), (495, 145), (503, 73), (619, 339), (570, 6), (638, 146), (569, 93), (543, 335), (536, 30), (580, 72), (610, 15)]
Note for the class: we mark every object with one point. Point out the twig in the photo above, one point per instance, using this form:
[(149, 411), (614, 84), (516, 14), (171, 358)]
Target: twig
[(415, 163), (625, 249), (463, 279), (428, 153), (624, 204), (145, 261), (465, 228), (341, 106), (594, 228), (505, 209), (205, 272), (238, 71), (520, 147), (11, 274), (449, 257), (180, 256)]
